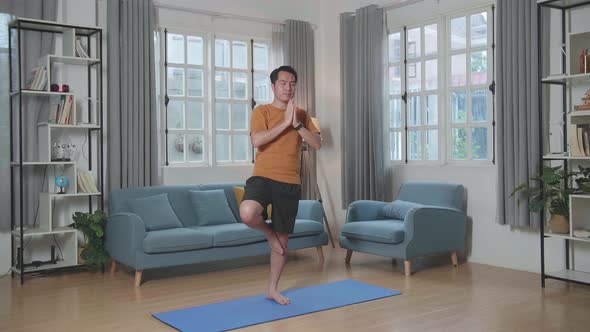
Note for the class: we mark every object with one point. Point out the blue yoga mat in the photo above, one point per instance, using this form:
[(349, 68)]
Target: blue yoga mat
[(253, 310)]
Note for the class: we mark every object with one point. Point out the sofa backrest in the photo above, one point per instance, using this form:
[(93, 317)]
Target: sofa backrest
[(433, 193), (178, 196)]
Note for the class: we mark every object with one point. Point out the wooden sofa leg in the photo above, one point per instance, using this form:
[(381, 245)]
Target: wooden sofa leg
[(320, 254), (138, 278), (113, 266), (454, 258), (348, 255), (407, 267)]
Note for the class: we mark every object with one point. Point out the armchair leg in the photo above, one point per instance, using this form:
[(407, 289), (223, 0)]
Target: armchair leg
[(454, 258), (407, 267), (348, 255), (138, 278), (320, 254)]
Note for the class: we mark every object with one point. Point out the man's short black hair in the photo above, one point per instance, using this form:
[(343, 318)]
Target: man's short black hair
[(275, 73)]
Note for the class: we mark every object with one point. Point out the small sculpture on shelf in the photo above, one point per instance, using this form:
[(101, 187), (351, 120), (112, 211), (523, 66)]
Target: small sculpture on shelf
[(62, 149), (61, 182), (585, 103)]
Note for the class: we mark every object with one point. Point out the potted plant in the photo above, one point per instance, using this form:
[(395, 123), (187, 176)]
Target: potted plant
[(92, 226), (553, 196)]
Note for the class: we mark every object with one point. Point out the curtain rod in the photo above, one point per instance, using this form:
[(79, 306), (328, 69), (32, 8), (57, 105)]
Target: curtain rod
[(398, 4)]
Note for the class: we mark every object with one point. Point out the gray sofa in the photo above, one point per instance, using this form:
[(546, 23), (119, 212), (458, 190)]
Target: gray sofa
[(163, 226)]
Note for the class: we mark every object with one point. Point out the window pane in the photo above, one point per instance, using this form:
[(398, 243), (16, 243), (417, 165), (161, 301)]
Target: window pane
[(222, 147), (195, 147), (240, 82), (175, 147), (431, 144), (431, 110), (175, 81), (414, 145), (458, 143), (414, 111), (395, 81), (414, 49), (430, 39), (175, 113), (479, 105), (260, 56), (395, 113), (194, 114), (479, 67), (395, 145), (479, 143), (240, 147), (221, 53), (458, 70), (414, 77), (479, 29), (221, 84), (431, 73), (240, 55), (395, 47), (194, 47), (221, 116), (239, 116), (194, 82), (458, 33), (175, 45), (261, 87), (458, 107)]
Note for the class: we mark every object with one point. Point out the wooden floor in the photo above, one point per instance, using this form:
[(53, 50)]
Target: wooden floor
[(472, 297)]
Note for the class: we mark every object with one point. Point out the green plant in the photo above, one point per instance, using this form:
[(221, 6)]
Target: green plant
[(92, 225), (552, 195)]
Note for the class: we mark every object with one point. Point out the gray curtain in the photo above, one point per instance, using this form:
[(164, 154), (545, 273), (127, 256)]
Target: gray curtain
[(518, 123), (299, 53), (362, 40), (34, 46), (132, 117)]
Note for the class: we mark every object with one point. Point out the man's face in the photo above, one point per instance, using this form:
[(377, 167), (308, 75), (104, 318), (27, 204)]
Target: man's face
[(284, 87)]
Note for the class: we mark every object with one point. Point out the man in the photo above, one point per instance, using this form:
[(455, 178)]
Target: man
[(277, 131)]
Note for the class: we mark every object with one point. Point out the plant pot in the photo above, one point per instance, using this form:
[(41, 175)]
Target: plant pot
[(81, 260), (559, 224)]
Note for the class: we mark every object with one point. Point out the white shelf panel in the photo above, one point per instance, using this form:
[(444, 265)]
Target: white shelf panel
[(37, 231), (26, 92), (44, 163), (72, 60), (572, 275), (71, 126), (565, 4), (30, 23), (579, 117), (59, 264), (562, 157), (576, 78), (568, 237), (53, 195)]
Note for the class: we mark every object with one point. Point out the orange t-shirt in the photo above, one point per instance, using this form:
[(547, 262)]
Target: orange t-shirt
[(279, 159)]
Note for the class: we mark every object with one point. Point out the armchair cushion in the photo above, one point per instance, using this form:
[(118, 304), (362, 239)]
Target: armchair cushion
[(383, 231), (398, 209), (155, 211)]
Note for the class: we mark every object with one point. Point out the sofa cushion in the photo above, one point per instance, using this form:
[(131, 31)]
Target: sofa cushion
[(177, 239), (383, 231), (155, 211), (239, 193), (304, 227), (211, 207), (398, 209), (234, 234)]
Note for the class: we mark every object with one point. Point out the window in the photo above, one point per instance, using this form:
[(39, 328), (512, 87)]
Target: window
[(210, 101), (438, 90)]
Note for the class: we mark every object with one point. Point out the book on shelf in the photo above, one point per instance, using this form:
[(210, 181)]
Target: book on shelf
[(38, 79), (580, 141), (582, 233), (86, 182), (81, 50), (61, 112)]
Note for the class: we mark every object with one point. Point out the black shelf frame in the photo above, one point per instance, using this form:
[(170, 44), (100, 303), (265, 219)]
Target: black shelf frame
[(17, 27), (563, 6)]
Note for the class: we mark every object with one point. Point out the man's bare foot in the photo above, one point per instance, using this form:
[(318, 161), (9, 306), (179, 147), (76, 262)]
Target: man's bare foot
[(275, 244), (278, 298)]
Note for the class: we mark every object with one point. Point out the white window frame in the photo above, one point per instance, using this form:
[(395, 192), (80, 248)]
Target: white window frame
[(401, 129)]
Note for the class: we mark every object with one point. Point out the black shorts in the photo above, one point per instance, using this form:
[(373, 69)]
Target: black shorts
[(284, 198)]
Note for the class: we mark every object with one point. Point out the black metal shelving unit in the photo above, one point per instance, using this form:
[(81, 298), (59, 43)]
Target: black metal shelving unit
[(560, 80), (17, 94)]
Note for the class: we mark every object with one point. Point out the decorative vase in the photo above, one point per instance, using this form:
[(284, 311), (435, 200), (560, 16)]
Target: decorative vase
[(559, 224)]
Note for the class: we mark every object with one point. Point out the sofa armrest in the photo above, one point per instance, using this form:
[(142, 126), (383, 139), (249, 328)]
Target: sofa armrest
[(311, 210), (124, 235), (365, 210), (434, 229)]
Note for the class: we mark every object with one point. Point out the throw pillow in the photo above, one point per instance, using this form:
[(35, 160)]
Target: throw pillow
[(155, 211), (398, 209), (211, 207), (239, 192)]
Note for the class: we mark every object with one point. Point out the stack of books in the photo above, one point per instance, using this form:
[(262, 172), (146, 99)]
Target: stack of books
[(86, 183), (80, 50), (38, 79), (582, 233), (61, 111), (580, 141)]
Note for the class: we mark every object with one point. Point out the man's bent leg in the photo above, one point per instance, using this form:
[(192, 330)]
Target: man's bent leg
[(277, 263), (251, 215)]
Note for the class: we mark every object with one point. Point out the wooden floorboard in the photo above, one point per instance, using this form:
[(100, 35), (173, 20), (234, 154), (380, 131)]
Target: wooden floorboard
[(472, 297)]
